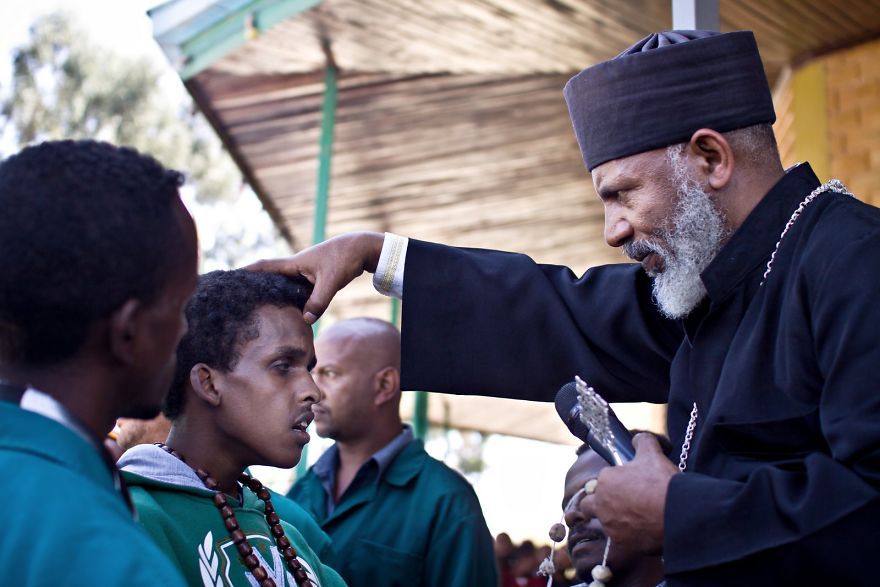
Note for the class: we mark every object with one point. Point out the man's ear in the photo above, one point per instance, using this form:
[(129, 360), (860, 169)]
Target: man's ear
[(202, 380), (714, 157), (387, 385), (126, 328)]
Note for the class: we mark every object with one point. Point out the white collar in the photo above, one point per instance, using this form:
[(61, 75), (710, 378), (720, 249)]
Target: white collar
[(44, 404)]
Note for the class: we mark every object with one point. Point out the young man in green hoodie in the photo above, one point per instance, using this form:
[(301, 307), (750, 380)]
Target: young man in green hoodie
[(242, 395)]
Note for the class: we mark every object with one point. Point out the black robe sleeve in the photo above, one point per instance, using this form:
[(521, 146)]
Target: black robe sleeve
[(498, 324)]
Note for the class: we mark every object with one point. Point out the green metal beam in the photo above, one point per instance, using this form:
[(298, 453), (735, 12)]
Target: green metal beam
[(322, 195), (325, 156), (395, 312), (420, 405), (420, 415), (232, 30)]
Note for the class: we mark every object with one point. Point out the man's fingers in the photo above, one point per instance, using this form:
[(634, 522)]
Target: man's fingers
[(587, 506), (265, 266), (275, 266), (329, 266), (316, 305)]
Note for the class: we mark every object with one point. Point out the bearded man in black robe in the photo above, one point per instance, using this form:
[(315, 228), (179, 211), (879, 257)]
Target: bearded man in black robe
[(753, 312)]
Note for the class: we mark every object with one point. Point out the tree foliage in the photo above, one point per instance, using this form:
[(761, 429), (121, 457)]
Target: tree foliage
[(65, 86)]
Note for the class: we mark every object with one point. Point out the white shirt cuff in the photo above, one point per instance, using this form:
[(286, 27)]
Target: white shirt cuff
[(388, 278)]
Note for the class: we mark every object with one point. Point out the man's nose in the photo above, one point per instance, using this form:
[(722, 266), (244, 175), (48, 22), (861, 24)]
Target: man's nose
[(310, 392), (572, 513), (316, 378), (617, 229)]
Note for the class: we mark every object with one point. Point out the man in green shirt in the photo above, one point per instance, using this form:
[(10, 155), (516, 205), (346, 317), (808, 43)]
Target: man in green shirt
[(397, 517), (97, 259)]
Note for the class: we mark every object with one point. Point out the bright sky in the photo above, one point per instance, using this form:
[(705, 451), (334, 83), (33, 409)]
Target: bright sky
[(521, 488), (122, 25)]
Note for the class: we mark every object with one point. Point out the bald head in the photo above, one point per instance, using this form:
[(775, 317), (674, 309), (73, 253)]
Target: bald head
[(377, 342), (358, 372)]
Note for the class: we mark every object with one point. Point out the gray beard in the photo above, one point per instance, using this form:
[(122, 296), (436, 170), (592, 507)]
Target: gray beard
[(694, 234)]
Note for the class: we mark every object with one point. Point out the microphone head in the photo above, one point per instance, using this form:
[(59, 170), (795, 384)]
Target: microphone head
[(569, 411)]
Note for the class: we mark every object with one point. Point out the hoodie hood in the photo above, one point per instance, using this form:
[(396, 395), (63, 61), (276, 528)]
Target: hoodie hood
[(151, 462)]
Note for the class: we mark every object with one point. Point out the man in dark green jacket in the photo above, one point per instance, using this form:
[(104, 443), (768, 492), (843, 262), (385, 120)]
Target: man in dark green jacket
[(396, 516), (97, 259)]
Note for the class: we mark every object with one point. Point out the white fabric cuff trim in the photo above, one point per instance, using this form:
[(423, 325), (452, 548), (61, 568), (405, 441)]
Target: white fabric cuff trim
[(388, 278)]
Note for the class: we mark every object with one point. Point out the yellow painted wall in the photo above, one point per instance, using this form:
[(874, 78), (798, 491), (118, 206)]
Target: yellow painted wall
[(828, 113)]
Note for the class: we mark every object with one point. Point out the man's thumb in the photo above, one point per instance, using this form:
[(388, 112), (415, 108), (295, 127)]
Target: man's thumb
[(316, 304), (646, 443)]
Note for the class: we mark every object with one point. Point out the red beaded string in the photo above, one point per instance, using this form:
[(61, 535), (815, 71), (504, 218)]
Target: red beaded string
[(238, 536)]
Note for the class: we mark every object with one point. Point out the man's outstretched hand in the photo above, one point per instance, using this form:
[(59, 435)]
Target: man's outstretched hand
[(330, 266)]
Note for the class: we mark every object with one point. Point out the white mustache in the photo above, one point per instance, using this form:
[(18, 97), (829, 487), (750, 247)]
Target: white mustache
[(638, 250)]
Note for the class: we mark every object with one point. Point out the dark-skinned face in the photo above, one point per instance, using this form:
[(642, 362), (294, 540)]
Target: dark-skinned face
[(586, 537), (266, 399), (345, 373), (166, 323), (639, 197)]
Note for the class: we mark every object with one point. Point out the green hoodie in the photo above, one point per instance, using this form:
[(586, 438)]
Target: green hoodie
[(178, 512)]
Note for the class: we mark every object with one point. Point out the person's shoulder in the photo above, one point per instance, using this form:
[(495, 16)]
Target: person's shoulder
[(444, 477), (144, 501), (170, 513), (115, 555), (96, 527), (128, 557), (57, 488), (311, 553), (42, 447), (299, 517), (852, 210), (290, 510), (844, 218), (843, 233), (306, 490)]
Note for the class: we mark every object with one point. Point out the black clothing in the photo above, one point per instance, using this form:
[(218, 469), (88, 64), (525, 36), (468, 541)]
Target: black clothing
[(783, 477)]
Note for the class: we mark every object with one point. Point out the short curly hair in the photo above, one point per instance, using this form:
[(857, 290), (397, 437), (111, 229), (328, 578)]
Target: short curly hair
[(84, 227), (222, 319)]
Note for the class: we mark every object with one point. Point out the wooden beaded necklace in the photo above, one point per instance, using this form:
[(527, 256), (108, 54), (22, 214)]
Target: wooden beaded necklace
[(238, 536)]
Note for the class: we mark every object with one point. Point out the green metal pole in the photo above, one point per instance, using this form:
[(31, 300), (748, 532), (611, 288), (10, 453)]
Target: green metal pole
[(328, 122), (420, 407), (395, 312), (319, 230), (420, 415)]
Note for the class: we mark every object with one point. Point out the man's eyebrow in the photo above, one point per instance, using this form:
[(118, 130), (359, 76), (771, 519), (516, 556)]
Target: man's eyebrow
[(612, 186), (606, 192), (295, 353), (292, 352)]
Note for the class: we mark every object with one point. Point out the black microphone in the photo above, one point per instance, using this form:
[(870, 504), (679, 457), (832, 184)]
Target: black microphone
[(618, 452)]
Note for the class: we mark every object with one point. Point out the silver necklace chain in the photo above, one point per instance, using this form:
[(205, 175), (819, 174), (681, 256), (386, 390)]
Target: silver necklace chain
[(832, 185), (688, 436)]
